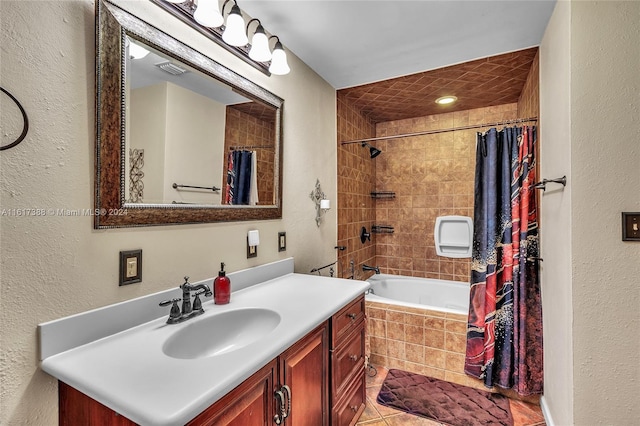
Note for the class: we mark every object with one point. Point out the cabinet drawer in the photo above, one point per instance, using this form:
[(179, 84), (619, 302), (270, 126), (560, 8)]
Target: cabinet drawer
[(347, 318), (347, 359), (349, 409)]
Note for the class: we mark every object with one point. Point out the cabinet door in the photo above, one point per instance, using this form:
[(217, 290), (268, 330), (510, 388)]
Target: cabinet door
[(77, 409), (304, 367), (250, 404)]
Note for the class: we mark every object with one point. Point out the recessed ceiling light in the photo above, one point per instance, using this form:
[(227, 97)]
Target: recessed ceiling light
[(445, 100)]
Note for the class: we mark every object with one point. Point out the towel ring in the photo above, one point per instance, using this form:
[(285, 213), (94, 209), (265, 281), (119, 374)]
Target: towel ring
[(25, 119)]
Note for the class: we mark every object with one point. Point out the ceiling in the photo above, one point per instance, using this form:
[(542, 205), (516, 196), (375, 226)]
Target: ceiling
[(486, 82), (351, 43)]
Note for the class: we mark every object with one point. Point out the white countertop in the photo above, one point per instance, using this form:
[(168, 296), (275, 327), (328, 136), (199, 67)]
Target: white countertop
[(129, 373)]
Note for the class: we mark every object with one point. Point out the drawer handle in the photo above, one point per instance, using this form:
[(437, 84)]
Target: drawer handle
[(354, 408), (354, 358), (352, 316)]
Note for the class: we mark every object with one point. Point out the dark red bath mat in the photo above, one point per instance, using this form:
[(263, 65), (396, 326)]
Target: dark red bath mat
[(445, 402)]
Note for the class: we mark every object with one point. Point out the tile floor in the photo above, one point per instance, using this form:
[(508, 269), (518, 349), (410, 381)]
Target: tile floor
[(524, 414)]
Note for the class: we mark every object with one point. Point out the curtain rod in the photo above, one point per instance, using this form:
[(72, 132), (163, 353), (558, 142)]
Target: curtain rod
[(431, 132)]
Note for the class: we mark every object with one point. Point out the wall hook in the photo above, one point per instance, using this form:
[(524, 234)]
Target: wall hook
[(25, 119)]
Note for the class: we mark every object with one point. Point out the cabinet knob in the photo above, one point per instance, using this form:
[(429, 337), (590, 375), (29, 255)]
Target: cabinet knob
[(353, 358), (352, 316), (354, 408)]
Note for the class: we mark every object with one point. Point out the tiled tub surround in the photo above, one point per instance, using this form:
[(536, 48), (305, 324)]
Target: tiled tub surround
[(418, 340), (432, 175)]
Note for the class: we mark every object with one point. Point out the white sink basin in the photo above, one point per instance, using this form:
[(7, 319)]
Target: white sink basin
[(221, 333)]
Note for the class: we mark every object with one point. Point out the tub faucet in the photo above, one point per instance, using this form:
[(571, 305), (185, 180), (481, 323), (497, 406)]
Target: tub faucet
[(370, 268)]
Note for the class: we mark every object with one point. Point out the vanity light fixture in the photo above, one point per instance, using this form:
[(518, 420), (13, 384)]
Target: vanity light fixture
[(446, 100), (234, 33), (259, 43), (279, 65), (207, 13), (204, 16)]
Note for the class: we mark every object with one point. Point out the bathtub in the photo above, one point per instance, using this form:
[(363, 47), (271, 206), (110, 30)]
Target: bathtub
[(422, 293), (418, 325)]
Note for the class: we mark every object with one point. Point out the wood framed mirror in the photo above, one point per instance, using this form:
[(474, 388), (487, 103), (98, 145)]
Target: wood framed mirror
[(192, 143)]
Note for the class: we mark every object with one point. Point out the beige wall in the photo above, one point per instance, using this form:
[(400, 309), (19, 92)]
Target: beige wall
[(605, 157), (555, 215), (193, 153), (147, 108), (589, 106), (55, 266)]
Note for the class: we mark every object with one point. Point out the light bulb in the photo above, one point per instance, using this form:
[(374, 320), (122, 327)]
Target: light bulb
[(234, 33), (445, 100), (207, 14), (260, 46), (279, 65)]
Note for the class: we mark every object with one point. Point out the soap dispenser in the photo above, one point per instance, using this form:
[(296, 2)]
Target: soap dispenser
[(221, 287)]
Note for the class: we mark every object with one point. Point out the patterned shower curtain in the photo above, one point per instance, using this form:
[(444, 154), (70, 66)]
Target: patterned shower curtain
[(504, 332)]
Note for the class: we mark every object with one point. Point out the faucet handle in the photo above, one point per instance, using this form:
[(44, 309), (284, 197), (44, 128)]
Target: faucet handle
[(175, 309), (197, 303)]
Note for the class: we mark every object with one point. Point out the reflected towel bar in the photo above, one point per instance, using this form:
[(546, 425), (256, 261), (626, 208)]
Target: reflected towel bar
[(209, 188)]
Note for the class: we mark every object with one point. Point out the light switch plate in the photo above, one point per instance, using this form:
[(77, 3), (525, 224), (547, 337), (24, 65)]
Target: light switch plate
[(130, 267), (630, 226)]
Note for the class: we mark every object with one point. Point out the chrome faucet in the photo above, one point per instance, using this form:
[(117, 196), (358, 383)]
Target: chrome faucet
[(188, 310), (370, 268)]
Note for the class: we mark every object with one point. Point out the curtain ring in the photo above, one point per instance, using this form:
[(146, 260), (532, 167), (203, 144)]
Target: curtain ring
[(25, 119)]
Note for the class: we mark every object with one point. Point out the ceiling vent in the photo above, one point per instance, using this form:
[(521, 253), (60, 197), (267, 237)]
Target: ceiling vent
[(170, 68)]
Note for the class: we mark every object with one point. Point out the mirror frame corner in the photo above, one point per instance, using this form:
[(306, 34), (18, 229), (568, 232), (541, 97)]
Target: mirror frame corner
[(112, 26)]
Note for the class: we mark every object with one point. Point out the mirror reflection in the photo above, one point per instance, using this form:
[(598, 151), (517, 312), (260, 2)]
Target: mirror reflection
[(191, 139)]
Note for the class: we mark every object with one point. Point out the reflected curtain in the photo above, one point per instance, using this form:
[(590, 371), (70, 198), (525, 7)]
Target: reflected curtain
[(239, 172), (504, 332)]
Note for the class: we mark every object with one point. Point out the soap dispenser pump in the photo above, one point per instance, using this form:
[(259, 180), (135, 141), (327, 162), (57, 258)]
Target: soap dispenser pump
[(221, 287)]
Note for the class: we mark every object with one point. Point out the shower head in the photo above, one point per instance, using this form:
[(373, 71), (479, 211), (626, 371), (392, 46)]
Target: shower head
[(373, 151)]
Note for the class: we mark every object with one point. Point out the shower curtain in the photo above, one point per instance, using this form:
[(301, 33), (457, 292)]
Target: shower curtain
[(240, 169), (504, 332)]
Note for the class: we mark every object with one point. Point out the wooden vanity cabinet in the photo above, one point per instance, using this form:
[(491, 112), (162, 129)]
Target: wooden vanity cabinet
[(324, 371), (348, 386), (251, 403), (303, 368)]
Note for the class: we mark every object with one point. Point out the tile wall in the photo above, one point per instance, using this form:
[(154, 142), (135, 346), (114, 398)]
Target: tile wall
[(356, 180), (242, 129), (421, 341), (529, 102), (432, 175)]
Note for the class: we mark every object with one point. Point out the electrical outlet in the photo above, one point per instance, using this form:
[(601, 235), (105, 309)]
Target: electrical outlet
[(252, 251), (282, 241), (130, 267)]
